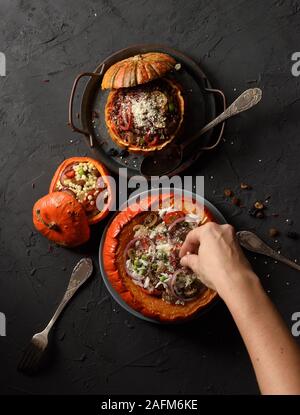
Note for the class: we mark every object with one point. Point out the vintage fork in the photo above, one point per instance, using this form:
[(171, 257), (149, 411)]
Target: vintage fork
[(33, 354)]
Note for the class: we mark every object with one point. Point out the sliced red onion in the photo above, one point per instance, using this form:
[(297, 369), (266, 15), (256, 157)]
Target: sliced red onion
[(130, 245), (173, 290), (173, 224), (132, 274), (63, 176), (101, 200), (69, 191), (101, 183)]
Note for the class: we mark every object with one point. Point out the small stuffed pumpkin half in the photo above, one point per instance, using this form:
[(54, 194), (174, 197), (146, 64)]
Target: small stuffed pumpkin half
[(88, 182), (141, 258)]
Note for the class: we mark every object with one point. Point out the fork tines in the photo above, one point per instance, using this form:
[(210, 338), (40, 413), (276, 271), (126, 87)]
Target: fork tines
[(31, 358)]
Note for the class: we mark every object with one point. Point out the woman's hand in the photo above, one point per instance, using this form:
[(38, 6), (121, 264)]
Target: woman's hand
[(212, 251), (214, 254)]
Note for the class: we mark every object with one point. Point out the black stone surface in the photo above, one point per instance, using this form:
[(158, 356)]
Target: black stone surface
[(97, 347)]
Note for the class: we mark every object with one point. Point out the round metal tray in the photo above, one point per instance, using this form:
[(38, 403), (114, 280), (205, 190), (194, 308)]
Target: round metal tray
[(200, 108), (218, 217)]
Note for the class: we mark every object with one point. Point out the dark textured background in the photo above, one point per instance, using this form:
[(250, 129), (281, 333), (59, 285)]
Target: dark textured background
[(98, 347)]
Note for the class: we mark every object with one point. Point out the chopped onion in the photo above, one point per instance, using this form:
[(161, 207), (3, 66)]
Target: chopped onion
[(129, 248), (192, 218), (132, 273)]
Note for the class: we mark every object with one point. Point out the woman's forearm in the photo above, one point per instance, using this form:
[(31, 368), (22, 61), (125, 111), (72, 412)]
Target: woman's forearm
[(274, 353)]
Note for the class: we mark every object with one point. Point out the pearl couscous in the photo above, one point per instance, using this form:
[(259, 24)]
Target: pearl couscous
[(85, 183)]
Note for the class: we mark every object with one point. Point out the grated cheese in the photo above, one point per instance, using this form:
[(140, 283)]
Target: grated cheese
[(149, 109)]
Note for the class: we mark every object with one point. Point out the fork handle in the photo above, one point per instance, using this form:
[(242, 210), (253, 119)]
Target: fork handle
[(81, 273)]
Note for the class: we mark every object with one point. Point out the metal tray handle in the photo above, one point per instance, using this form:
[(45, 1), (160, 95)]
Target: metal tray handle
[(71, 102), (221, 93)]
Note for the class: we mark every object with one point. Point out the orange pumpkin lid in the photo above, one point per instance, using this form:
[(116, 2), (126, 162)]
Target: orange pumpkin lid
[(137, 70)]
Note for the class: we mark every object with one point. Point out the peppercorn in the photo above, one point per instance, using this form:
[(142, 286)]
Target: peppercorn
[(259, 205), (260, 214), (228, 192), (245, 186), (273, 232)]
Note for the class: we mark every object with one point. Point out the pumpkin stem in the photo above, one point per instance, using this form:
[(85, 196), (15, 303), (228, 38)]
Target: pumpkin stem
[(51, 225)]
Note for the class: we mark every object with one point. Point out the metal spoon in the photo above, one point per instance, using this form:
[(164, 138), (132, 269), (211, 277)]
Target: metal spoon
[(253, 243), (167, 160)]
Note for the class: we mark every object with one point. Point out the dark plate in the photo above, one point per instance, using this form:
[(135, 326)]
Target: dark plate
[(219, 218), (200, 109)]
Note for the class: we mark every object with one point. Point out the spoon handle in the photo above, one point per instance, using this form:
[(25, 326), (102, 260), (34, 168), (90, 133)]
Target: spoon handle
[(253, 243), (244, 102), (286, 261)]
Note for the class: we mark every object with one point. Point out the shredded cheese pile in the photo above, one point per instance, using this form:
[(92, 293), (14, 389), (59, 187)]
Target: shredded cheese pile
[(149, 109)]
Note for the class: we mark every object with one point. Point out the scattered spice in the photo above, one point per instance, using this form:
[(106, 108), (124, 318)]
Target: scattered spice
[(228, 192), (273, 232), (292, 235), (245, 186), (259, 205)]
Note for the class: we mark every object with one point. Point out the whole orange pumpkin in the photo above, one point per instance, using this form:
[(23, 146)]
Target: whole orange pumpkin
[(61, 219)]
